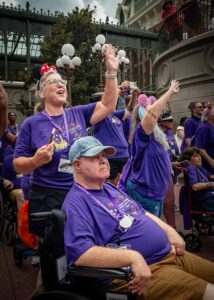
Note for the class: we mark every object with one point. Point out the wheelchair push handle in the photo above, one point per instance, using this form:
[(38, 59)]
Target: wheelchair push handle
[(41, 215)]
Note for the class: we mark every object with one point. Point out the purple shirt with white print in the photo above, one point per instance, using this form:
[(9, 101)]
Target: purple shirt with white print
[(36, 132), (88, 224)]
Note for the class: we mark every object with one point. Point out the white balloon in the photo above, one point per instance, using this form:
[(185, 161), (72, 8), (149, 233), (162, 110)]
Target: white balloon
[(93, 50), (100, 39), (59, 63), (123, 59), (68, 49), (65, 59), (71, 65), (76, 61)]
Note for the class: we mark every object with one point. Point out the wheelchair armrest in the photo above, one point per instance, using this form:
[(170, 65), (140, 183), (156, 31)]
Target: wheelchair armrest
[(100, 272)]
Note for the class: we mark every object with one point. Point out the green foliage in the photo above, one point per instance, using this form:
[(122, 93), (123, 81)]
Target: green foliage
[(24, 108), (77, 29)]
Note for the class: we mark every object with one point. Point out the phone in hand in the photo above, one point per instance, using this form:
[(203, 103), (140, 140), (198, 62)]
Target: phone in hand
[(52, 135)]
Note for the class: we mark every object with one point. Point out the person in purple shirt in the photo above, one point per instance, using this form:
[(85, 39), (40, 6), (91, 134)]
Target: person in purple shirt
[(191, 124), (12, 181), (166, 124), (110, 131), (45, 138), (199, 180), (204, 139), (105, 228), (151, 167)]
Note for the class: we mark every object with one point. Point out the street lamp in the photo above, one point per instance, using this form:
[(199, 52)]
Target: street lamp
[(123, 60), (99, 49), (66, 65)]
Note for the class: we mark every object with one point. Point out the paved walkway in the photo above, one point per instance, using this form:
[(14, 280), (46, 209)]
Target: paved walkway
[(19, 283)]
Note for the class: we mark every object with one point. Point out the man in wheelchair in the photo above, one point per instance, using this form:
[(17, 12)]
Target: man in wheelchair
[(105, 228), (199, 180)]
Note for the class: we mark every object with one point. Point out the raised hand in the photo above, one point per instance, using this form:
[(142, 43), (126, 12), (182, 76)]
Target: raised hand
[(174, 87), (111, 59)]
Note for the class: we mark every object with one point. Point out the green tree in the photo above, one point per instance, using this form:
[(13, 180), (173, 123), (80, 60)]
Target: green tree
[(77, 29)]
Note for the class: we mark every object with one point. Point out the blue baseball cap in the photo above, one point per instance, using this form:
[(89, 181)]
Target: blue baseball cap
[(88, 146)]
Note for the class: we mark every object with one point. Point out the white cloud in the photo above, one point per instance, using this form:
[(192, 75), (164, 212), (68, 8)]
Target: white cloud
[(100, 12)]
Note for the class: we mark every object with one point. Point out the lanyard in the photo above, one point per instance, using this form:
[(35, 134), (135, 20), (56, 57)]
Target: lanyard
[(58, 127), (116, 217)]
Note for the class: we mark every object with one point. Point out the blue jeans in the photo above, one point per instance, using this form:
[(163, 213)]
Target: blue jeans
[(154, 206)]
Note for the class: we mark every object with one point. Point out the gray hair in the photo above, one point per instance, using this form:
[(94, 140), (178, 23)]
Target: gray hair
[(40, 85)]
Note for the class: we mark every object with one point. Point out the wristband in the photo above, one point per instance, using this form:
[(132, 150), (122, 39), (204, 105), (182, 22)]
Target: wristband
[(110, 75)]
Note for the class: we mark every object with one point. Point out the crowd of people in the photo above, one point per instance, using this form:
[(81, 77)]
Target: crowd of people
[(116, 185)]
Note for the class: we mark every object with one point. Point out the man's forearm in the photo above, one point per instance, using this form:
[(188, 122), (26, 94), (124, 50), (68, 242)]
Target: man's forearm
[(206, 156), (104, 257)]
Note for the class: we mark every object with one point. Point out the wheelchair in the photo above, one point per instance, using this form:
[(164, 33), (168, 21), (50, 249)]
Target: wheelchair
[(70, 282), (200, 222), (8, 218)]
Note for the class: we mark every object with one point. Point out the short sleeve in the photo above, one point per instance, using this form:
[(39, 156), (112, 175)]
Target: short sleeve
[(78, 237), (23, 143)]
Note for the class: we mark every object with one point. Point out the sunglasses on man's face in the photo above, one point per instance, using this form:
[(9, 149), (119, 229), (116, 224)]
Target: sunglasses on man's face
[(200, 107)]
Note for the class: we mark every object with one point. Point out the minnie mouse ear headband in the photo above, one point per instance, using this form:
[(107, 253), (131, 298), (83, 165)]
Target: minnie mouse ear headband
[(38, 71)]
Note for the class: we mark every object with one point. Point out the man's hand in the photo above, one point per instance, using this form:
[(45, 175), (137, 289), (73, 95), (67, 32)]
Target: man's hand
[(176, 241), (43, 155), (111, 59), (141, 273), (8, 185)]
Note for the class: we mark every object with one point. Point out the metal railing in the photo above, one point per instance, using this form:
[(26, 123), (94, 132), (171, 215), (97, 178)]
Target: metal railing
[(192, 19)]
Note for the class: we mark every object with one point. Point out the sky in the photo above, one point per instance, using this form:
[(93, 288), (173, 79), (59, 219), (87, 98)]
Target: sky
[(104, 7)]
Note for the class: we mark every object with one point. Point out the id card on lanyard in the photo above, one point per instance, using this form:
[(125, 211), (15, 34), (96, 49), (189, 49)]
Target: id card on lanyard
[(64, 162)]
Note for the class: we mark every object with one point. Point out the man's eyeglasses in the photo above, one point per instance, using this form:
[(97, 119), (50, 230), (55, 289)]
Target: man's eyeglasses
[(56, 81), (200, 106)]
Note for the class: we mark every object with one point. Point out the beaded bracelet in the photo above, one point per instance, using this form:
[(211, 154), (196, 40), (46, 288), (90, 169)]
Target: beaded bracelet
[(110, 75)]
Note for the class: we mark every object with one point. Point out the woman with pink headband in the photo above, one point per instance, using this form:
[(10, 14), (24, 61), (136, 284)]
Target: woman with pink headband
[(151, 167)]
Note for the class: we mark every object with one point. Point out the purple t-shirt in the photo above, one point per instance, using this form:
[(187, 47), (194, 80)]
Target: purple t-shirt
[(88, 224), (110, 132), (36, 132), (199, 175), (171, 141), (204, 139), (190, 126), (151, 165), (9, 173)]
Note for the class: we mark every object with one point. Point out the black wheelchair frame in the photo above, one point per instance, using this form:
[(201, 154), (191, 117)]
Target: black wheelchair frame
[(202, 222), (72, 282)]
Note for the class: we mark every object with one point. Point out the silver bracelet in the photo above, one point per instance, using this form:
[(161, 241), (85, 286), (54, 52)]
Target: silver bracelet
[(110, 75)]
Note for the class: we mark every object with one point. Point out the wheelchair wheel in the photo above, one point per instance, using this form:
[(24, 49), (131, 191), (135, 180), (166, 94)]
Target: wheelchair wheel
[(9, 233), (1, 213), (193, 243), (58, 295), (203, 227), (18, 256)]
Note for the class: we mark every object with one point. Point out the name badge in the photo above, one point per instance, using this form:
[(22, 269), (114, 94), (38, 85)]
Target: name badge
[(65, 165), (126, 222)]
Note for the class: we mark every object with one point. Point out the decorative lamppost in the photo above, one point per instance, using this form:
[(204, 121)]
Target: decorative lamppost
[(99, 49), (123, 60), (66, 65)]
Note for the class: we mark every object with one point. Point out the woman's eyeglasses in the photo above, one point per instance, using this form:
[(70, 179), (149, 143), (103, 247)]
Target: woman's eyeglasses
[(56, 81)]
